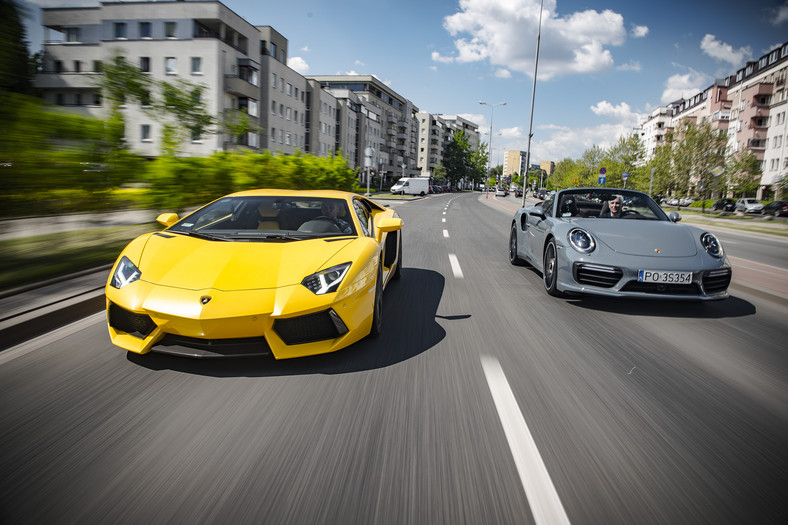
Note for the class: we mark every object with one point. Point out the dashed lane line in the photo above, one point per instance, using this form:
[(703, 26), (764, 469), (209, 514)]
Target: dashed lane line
[(545, 504)]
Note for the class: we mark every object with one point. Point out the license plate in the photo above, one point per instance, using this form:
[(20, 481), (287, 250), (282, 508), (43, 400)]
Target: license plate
[(661, 276)]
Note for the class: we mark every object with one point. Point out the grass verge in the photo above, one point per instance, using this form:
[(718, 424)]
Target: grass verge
[(34, 259)]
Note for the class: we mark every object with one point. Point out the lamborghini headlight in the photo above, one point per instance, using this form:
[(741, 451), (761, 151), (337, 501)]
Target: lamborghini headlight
[(326, 281), (581, 240), (712, 245), (126, 272)]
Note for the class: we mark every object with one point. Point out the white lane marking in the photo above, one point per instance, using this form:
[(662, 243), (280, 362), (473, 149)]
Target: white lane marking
[(542, 497), (48, 338), (446, 233), (443, 219), (455, 266)]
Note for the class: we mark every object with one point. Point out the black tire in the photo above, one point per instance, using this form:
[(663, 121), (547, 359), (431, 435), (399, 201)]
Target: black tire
[(550, 269), (515, 259), (398, 269), (377, 309)]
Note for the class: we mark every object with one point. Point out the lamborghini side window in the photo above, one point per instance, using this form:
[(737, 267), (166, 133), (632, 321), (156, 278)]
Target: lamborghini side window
[(363, 217)]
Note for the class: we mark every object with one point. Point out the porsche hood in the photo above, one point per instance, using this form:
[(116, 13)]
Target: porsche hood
[(195, 264), (643, 238)]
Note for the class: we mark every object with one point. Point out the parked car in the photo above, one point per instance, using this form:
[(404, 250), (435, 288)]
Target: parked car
[(749, 205), (262, 272), (724, 205), (580, 249), (776, 208)]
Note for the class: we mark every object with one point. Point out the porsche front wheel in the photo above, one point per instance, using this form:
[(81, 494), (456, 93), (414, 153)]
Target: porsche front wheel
[(550, 269), (377, 308), (513, 257)]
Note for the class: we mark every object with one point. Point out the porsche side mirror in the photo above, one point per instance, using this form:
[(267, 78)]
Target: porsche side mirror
[(537, 212), (167, 219), (674, 216)]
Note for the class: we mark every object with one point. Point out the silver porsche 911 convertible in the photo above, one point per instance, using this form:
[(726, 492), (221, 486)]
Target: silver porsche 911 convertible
[(619, 243)]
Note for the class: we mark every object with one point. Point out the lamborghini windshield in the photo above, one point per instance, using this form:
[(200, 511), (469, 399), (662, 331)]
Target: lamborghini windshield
[(252, 218)]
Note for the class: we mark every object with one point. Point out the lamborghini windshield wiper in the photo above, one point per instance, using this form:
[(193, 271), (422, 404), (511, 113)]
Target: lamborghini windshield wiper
[(200, 235)]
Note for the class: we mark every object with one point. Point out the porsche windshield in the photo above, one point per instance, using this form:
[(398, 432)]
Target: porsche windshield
[(269, 218), (606, 204)]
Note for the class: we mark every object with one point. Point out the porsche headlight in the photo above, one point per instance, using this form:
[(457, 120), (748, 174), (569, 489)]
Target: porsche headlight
[(581, 240), (326, 281), (711, 244), (125, 273)]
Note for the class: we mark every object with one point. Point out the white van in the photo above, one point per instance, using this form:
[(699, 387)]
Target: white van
[(411, 186)]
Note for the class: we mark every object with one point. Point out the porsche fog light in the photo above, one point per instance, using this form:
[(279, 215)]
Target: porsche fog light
[(326, 281), (711, 244), (581, 240), (125, 273)]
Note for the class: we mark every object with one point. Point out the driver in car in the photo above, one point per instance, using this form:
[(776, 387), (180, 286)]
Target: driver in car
[(614, 206), (334, 209)]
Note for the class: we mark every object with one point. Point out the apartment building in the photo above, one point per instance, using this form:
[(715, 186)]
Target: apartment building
[(434, 133), (241, 68), (204, 43), (513, 163), (393, 136), (284, 98), (749, 107)]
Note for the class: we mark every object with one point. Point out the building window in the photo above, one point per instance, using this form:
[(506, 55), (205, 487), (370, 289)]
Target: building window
[(145, 64), (72, 34), (196, 65), (287, 139), (96, 99), (273, 107), (171, 66), (97, 66), (252, 140), (120, 30), (145, 133), (273, 81), (273, 49), (288, 114), (58, 66), (170, 29), (281, 110), (145, 31), (78, 99), (289, 89), (145, 98), (59, 99), (77, 66), (281, 136)]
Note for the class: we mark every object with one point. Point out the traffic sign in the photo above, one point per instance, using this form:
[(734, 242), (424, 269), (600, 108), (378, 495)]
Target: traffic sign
[(602, 171), (625, 176), (602, 179)]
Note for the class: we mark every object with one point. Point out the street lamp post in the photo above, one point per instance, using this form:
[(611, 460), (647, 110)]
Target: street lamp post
[(489, 156)]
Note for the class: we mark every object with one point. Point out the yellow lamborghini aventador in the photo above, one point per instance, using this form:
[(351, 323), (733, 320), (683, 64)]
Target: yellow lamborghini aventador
[(263, 272)]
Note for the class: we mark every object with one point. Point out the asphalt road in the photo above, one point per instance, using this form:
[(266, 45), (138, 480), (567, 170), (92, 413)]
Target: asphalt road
[(484, 401)]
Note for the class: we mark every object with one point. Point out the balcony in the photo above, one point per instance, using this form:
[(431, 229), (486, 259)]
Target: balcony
[(237, 86)]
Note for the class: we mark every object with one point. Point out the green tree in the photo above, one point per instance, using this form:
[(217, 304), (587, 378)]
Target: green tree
[(744, 173), (16, 66), (457, 158)]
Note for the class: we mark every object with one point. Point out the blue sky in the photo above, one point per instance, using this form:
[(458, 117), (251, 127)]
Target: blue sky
[(603, 65)]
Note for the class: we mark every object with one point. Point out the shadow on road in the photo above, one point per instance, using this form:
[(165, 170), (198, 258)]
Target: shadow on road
[(731, 307), (410, 308)]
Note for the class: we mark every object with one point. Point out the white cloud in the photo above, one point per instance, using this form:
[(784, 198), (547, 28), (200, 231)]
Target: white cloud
[(502, 32), (306, 49), (503, 73), (511, 133), (630, 66), (724, 52), (437, 57), (639, 31), (359, 63), (298, 65), (780, 15), (679, 86)]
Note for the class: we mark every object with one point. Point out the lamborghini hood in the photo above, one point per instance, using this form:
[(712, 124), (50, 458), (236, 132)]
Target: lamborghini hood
[(644, 238), (195, 264)]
